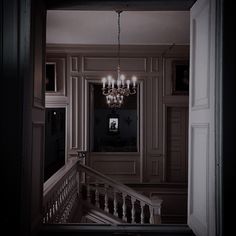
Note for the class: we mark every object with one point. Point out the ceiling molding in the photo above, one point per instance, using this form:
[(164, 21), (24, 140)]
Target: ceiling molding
[(126, 5), (167, 50)]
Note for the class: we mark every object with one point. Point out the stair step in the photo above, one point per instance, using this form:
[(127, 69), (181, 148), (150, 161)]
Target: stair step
[(98, 215)]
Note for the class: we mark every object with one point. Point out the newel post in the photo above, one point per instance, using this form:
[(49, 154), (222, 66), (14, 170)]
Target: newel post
[(80, 178), (156, 210)]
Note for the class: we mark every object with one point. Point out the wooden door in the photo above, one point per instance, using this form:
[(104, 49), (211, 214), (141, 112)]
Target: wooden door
[(201, 195)]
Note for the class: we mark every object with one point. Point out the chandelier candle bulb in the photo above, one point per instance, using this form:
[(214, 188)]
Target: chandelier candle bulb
[(122, 77), (128, 83), (134, 79), (118, 83), (104, 82), (109, 78)]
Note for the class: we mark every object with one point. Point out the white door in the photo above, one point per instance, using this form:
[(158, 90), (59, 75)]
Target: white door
[(201, 195)]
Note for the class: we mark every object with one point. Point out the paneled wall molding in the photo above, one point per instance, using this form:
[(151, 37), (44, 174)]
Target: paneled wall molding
[(105, 166), (200, 75), (153, 50), (179, 100), (75, 64), (200, 138), (74, 112), (115, 154), (155, 64), (103, 63), (56, 100), (124, 166), (77, 114), (86, 65), (60, 73)]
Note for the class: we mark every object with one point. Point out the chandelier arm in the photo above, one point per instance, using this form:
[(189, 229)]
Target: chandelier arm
[(105, 91), (132, 92)]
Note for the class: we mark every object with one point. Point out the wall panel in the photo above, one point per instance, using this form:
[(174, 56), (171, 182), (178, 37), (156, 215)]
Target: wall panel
[(84, 67), (110, 64), (176, 143), (61, 76), (124, 167)]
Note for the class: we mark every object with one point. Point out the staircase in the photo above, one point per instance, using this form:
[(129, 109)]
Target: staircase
[(84, 195)]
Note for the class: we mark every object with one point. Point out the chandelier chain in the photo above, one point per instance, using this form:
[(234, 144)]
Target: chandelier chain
[(116, 89), (119, 43)]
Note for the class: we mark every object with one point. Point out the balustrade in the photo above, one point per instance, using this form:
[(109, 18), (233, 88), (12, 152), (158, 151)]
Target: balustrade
[(100, 191), (60, 197), (127, 204)]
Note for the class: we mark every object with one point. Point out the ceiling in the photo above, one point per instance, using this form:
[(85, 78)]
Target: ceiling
[(100, 27)]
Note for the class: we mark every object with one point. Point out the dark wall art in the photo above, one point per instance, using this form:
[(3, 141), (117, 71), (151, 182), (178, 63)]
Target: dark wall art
[(180, 77), (51, 85)]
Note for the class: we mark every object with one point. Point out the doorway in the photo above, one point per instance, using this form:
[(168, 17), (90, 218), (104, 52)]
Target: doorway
[(196, 130)]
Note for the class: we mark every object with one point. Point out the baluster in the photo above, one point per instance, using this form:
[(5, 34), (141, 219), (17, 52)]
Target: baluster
[(124, 208), (88, 193), (62, 194), (47, 217), (97, 196), (151, 220), (47, 213), (66, 189), (53, 209), (59, 198), (115, 204), (56, 210), (78, 177), (55, 205), (50, 211), (142, 212), (132, 210), (106, 209)]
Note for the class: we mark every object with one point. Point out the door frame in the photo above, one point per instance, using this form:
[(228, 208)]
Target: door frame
[(177, 6)]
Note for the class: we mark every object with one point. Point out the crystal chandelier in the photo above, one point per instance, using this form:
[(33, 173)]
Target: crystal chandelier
[(116, 89)]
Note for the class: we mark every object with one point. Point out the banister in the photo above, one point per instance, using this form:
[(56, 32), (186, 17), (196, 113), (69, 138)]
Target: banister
[(55, 181), (115, 184), (60, 194), (62, 191)]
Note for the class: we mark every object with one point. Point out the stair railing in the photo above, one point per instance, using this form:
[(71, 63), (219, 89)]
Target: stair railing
[(60, 194), (75, 180), (116, 198)]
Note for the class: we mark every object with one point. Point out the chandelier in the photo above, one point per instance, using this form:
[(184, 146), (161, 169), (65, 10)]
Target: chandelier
[(116, 89)]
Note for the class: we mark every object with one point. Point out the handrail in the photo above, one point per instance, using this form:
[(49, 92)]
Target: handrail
[(60, 194), (66, 189), (115, 184), (55, 180)]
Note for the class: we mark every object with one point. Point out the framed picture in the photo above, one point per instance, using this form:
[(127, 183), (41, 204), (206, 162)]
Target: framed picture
[(180, 77), (51, 78), (113, 124)]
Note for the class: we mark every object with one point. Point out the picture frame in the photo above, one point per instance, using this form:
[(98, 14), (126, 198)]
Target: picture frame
[(113, 124), (51, 77), (180, 77)]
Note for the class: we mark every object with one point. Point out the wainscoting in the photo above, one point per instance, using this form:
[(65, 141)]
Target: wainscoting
[(159, 167), (162, 113)]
